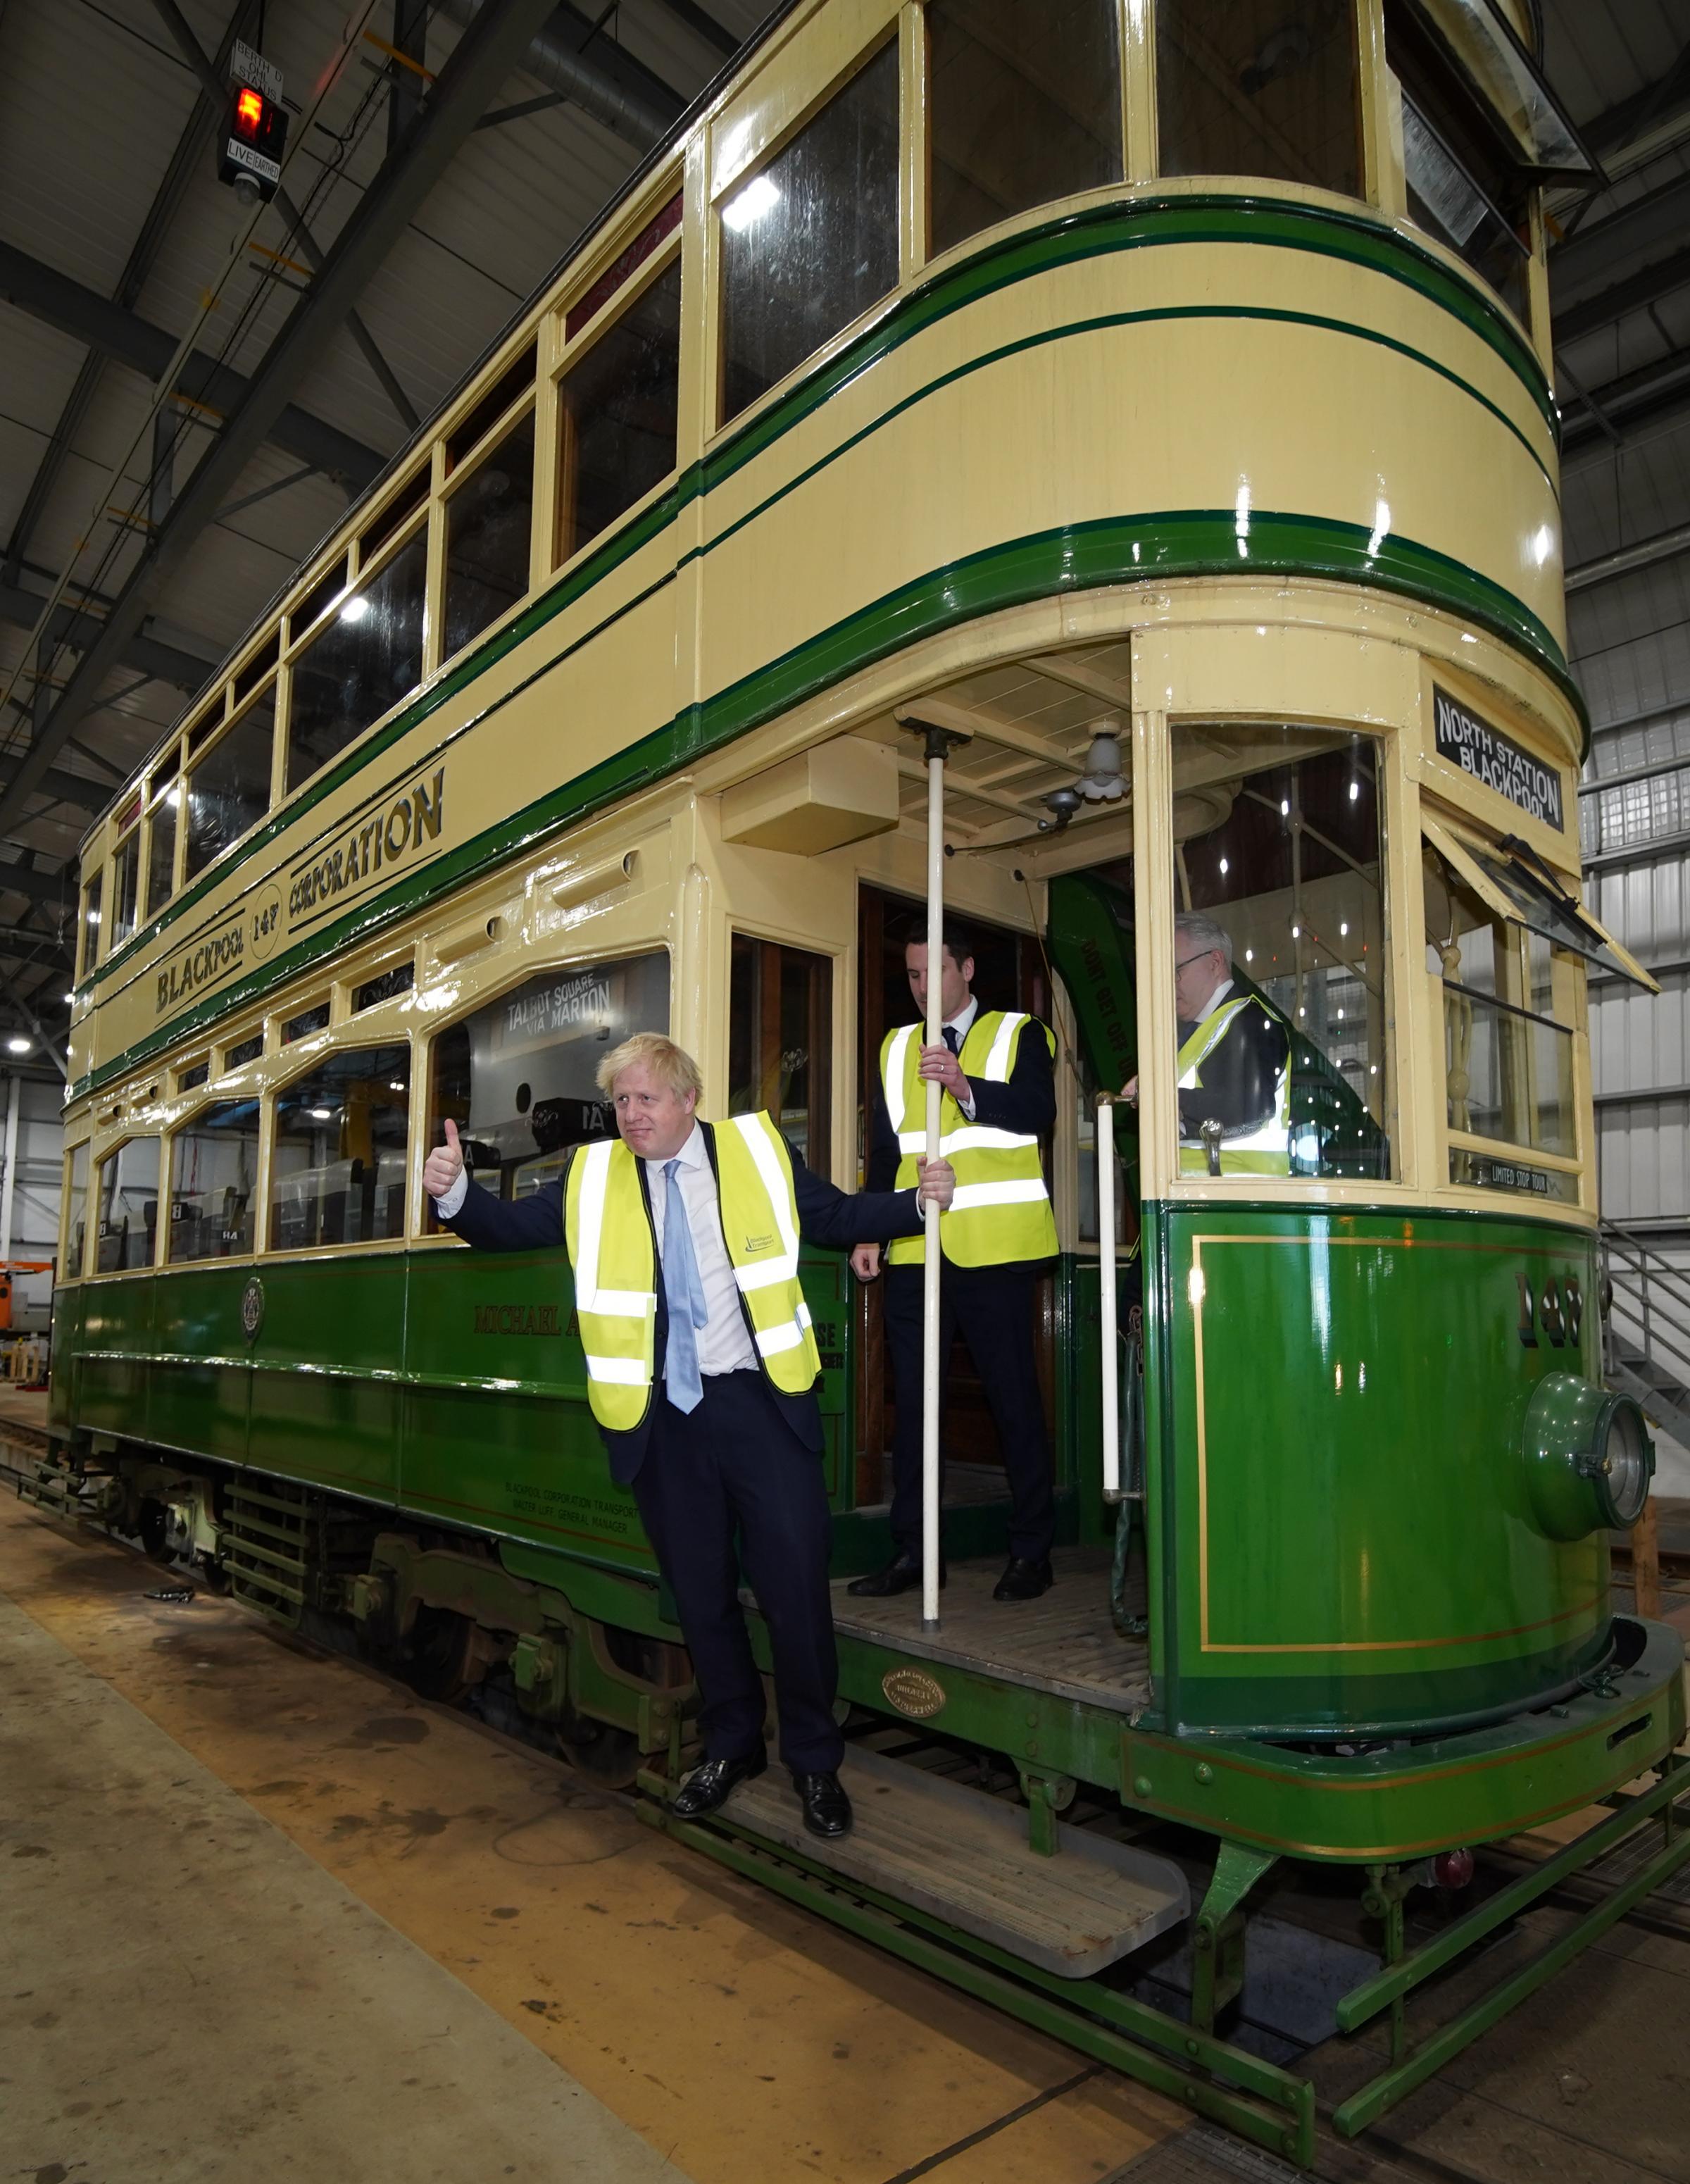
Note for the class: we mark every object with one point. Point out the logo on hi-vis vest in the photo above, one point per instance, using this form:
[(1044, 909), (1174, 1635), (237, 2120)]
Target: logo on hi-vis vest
[(755, 1244)]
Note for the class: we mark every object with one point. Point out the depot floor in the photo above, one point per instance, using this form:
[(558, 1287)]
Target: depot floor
[(264, 1913)]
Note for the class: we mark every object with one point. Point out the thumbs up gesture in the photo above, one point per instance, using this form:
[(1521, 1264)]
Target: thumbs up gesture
[(444, 1165)]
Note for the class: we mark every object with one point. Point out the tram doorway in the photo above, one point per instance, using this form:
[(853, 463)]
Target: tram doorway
[(1009, 973)]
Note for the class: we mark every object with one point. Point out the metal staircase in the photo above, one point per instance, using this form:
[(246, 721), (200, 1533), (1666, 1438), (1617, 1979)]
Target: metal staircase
[(1646, 1327)]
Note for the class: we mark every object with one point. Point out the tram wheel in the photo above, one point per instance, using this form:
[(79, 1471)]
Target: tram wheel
[(439, 1654), (608, 1758), (152, 1523)]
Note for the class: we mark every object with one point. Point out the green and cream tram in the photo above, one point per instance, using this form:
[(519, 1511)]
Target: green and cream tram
[(1154, 397)]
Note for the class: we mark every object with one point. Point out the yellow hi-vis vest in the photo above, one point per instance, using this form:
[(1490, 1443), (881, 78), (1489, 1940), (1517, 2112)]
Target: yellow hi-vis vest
[(1264, 1150), (613, 1249), (1001, 1210)]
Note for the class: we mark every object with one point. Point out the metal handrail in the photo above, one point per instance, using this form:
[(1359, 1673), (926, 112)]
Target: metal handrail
[(1647, 1307)]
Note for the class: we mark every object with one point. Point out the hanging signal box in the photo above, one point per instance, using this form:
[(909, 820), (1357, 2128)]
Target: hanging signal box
[(254, 136)]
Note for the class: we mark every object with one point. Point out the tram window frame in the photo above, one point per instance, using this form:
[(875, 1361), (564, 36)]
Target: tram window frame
[(365, 579), (960, 17), (324, 1068), (728, 410), (73, 1238), (541, 1166), (758, 983), (244, 1239), (1352, 184), (1328, 1145), (113, 1159), (126, 870), (89, 921), (165, 794), (630, 295), (459, 483), (237, 727)]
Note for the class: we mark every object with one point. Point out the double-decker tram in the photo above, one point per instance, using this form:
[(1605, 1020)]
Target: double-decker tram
[(1144, 407)]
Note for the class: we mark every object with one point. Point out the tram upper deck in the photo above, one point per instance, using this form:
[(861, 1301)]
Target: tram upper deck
[(1096, 314)]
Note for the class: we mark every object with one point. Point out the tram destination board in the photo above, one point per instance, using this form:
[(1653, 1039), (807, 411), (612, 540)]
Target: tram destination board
[(1466, 741)]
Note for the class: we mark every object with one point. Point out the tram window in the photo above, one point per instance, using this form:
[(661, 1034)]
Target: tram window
[(89, 952), (781, 1041), (307, 1021), (214, 1183), (385, 986), (1510, 999), (489, 525), (128, 1207), (1261, 87), (76, 1212), (257, 668), (519, 1078), (328, 587), (1279, 948), (491, 407), (360, 664), (161, 848), (810, 240), (405, 503), (228, 787), (1465, 183), (126, 886), (1023, 106), (243, 1051), (616, 415), (337, 1167)]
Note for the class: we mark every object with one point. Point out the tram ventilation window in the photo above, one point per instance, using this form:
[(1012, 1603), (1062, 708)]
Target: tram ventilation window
[(126, 886), (214, 1183), (781, 1041), (128, 1207), (810, 240), (337, 1167), (385, 986), (405, 503), (622, 270), (190, 1078), (257, 667), (161, 848), (360, 664), (76, 1212), (303, 1025), (243, 1051), (1024, 107), (489, 530), (88, 954), (1268, 88), (616, 415), (491, 408), (520, 1078), (1279, 953), (316, 602), (228, 787)]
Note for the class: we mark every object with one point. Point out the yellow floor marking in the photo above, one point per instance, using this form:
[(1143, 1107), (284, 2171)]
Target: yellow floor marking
[(749, 2041)]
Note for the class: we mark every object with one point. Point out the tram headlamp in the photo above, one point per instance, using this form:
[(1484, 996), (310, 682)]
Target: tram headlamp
[(1588, 1457)]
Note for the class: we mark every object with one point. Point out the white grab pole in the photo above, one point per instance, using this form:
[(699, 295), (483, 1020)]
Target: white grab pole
[(932, 1362), (1109, 1332)]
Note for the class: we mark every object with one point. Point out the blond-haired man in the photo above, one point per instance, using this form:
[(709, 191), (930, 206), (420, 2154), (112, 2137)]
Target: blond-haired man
[(701, 1370)]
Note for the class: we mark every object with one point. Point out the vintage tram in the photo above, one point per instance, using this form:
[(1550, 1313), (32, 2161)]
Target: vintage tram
[(1150, 403)]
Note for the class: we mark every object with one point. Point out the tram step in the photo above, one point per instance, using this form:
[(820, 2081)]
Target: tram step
[(964, 1858)]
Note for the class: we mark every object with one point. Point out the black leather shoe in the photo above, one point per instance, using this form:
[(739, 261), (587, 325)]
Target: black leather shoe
[(827, 1809), (901, 1574), (1023, 1579), (708, 1787)]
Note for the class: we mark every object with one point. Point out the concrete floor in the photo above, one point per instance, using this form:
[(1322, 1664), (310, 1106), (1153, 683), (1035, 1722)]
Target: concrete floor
[(264, 1913)]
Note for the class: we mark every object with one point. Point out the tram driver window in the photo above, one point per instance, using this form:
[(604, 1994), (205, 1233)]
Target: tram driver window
[(519, 1078), (1023, 107), (337, 1167), (1279, 953), (1261, 87), (214, 1183), (128, 1203), (780, 1042), (810, 239), (76, 1212)]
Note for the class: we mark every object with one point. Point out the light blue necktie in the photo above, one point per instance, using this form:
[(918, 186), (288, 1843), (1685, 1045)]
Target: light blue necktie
[(686, 1295)]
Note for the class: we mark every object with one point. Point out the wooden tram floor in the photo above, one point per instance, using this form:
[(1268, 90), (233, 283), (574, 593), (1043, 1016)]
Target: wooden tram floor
[(263, 1911)]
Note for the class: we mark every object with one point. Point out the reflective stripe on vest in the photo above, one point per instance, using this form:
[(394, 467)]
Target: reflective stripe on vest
[(613, 1249), (1001, 1210), (1264, 1150)]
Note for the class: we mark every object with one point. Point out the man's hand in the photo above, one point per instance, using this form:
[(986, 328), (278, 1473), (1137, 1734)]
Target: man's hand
[(938, 1181), (865, 1262), (1129, 1091), (940, 1066), (444, 1165)]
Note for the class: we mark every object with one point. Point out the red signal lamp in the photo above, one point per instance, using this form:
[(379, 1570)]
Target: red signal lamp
[(249, 110), (254, 137)]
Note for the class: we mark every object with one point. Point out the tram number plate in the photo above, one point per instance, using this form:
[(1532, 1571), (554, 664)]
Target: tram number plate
[(1552, 1311)]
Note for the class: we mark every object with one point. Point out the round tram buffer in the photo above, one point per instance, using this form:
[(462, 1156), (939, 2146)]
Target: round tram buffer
[(1589, 1458)]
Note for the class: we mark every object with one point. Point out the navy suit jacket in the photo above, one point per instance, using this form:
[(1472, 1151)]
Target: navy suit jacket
[(1026, 1103), (828, 1216)]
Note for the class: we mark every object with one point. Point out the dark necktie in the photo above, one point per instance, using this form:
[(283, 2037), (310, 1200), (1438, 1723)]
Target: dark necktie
[(952, 1041)]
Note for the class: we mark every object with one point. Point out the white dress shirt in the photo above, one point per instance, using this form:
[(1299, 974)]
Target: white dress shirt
[(723, 1345), (962, 1024)]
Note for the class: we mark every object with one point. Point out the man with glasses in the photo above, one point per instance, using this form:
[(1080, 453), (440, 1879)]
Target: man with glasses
[(1234, 1061)]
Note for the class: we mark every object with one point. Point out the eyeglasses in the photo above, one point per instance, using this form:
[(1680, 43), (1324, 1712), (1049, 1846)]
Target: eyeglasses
[(1184, 962)]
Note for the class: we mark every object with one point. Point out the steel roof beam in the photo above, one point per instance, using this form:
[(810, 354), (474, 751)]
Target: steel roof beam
[(148, 654), (706, 26), (487, 53), (36, 887), (88, 316), (592, 72)]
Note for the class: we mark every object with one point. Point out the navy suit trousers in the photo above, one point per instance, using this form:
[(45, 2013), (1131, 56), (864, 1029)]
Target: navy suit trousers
[(730, 1483)]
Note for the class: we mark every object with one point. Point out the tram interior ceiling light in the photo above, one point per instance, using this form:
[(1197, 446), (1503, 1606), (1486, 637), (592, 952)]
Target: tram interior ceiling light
[(1101, 782)]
